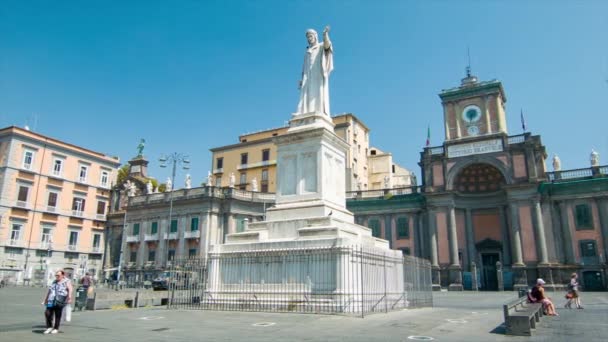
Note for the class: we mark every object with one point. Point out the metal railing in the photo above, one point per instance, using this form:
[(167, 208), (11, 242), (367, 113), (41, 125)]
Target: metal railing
[(337, 280), (383, 193)]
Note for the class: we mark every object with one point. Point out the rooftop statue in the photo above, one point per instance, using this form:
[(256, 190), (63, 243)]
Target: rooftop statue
[(140, 147)]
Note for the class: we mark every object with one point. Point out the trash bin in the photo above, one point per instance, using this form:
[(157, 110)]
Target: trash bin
[(81, 298)]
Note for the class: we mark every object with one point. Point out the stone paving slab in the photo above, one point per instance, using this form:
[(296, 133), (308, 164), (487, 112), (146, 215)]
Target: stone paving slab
[(457, 317)]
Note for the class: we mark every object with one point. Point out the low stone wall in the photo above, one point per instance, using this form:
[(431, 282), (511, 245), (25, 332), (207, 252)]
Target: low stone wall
[(130, 299)]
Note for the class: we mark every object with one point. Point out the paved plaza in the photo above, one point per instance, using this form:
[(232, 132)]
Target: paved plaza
[(455, 317)]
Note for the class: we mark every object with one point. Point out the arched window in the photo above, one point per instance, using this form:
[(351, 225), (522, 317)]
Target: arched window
[(479, 178)]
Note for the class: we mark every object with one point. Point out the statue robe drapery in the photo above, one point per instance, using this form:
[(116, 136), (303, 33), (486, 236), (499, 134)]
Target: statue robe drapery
[(314, 93)]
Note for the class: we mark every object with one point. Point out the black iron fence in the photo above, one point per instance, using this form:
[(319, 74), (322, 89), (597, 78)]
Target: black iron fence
[(339, 280)]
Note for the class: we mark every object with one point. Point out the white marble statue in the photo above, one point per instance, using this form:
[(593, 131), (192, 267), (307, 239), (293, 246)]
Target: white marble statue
[(156, 190), (130, 188), (209, 178), (188, 181), (557, 163), (169, 184), (594, 158), (232, 180), (149, 189), (254, 184), (318, 64)]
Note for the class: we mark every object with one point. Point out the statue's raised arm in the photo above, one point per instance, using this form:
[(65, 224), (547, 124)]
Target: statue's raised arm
[(318, 65)]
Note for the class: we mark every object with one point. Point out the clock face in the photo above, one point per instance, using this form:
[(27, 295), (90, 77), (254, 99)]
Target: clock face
[(471, 113), (473, 130)]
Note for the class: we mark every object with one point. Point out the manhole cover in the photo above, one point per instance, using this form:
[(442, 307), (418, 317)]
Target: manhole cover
[(459, 321), (263, 324), (420, 338)]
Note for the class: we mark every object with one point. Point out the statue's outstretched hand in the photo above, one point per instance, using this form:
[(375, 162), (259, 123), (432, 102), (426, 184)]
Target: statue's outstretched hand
[(326, 30)]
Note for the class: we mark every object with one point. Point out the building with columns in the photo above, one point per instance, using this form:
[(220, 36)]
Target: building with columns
[(487, 204)]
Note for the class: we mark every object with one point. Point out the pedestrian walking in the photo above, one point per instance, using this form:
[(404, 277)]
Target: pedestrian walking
[(573, 294), (57, 297)]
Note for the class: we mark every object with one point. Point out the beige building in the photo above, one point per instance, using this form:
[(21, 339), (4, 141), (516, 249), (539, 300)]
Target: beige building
[(385, 174), (53, 202), (255, 157)]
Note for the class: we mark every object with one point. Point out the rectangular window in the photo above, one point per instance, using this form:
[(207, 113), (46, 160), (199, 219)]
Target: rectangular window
[(28, 159), (583, 217), (46, 238), (265, 175), (243, 179), (101, 207), (173, 226), (52, 200), (16, 232), (171, 255), (240, 224), (23, 192), (265, 155), (154, 228), (244, 157), (264, 182), (82, 174), (105, 176), (403, 228), (219, 163), (218, 182), (73, 238), (194, 224), (405, 251), (133, 257), (78, 206), (588, 249), (135, 229), (57, 167), (96, 240), (151, 255), (374, 225), (192, 253), (264, 187)]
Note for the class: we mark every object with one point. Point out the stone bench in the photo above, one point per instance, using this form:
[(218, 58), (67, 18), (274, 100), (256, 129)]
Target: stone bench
[(521, 317)]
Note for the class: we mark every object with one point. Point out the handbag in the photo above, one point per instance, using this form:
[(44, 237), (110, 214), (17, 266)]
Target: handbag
[(60, 300), (569, 295)]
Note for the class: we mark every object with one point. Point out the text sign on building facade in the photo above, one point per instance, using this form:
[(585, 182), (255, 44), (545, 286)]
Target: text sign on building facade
[(478, 147)]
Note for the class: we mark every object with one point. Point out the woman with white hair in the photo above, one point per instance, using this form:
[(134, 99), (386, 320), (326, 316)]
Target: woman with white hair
[(538, 292)]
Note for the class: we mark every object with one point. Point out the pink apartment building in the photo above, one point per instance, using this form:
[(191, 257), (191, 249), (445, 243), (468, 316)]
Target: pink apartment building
[(54, 198)]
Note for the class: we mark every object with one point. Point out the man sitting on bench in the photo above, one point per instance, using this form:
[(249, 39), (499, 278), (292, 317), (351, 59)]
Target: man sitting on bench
[(538, 296)]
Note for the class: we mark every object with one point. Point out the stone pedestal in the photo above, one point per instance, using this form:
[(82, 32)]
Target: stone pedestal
[(520, 279), (436, 278), (455, 278), (474, 277)]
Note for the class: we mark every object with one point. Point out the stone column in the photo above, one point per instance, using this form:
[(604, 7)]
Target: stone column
[(566, 233), (446, 121), (205, 238), (388, 229), (471, 250), (418, 238), (142, 252), (161, 250), (435, 274), (602, 206), (474, 276), (506, 253), (455, 271), (516, 235), (540, 233), (231, 224), (182, 225)]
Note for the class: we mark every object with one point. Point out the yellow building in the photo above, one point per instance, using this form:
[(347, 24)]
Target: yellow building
[(254, 157), (53, 203)]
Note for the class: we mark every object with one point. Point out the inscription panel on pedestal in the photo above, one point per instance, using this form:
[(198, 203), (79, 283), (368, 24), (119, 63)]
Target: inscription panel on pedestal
[(478, 147), (309, 171)]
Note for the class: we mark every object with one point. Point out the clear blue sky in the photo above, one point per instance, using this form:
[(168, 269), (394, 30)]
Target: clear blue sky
[(191, 75)]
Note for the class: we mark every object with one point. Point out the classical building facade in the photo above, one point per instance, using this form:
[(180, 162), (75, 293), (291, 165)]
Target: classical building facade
[(254, 157), (487, 204), (53, 203)]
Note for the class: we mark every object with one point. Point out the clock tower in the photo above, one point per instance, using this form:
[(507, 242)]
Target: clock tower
[(474, 109)]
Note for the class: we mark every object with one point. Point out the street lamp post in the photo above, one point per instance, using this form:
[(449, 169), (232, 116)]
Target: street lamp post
[(174, 158)]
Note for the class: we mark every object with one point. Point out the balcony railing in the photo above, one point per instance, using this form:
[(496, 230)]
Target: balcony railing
[(150, 237), (96, 249), (170, 236), (15, 243), (207, 191), (383, 193), (437, 150), (22, 204), (589, 172), (72, 247), (133, 238), (46, 245), (193, 234), (51, 209), (100, 217), (77, 213)]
